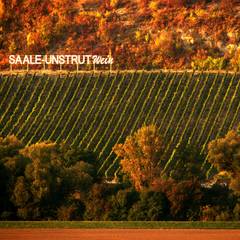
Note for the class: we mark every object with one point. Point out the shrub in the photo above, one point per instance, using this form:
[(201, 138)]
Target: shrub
[(6, 215), (236, 212), (152, 206), (98, 204), (184, 197), (215, 213), (209, 63), (66, 213)]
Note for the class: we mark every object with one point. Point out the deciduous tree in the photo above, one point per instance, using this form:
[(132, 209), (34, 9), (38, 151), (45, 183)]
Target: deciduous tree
[(224, 154), (140, 155)]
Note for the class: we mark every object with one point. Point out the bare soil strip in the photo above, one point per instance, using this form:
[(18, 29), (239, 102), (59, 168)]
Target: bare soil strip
[(118, 234)]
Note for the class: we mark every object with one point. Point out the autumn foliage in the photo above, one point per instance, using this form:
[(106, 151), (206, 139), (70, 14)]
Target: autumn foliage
[(224, 154), (140, 155), (170, 33), (48, 180)]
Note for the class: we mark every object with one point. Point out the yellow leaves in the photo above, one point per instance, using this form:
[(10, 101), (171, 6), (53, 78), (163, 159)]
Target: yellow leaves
[(140, 155), (98, 15), (154, 5), (201, 12), (231, 48), (223, 174), (10, 141), (138, 35), (107, 14), (166, 42), (114, 3), (118, 149), (40, 150), (30, 40)]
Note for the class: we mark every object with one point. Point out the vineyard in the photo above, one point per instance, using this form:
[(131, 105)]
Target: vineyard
[(96, 110)]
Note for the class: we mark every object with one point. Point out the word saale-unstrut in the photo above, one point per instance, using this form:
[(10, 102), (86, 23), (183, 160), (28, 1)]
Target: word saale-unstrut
[(60, 59)]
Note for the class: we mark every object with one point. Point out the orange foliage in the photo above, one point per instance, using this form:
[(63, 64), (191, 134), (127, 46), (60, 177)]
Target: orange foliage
[(140, 155), (96, 26), (1, 9)]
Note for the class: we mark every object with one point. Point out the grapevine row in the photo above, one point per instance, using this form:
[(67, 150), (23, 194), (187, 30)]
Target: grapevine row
[(88, 100), (69, 117), (59, 119), (17, 130), (16, 109), (116, 109), (187, 126), (10, 103), (120, 120), (157, 96), (66, 110), (34, 109), (13, 79), (67, 93), (218, 113), (127, 122), (179, 121), (107, 112), (100, 108), (200, 136), (67, 138), (40, 112), (173, 98), (213, 85)]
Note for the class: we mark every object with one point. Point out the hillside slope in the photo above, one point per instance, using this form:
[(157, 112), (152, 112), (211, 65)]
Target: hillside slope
[(97, 110), (139, 34)]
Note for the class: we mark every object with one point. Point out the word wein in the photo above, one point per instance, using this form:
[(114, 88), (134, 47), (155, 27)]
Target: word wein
[(60, 59)]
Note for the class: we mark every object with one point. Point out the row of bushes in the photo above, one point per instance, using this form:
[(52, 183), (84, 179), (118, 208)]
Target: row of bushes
[(54, 181)]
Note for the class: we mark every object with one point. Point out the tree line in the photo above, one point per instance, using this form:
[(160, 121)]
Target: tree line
[(53, 181)]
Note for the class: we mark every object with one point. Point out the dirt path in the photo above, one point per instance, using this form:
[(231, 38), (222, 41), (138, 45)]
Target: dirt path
[(117, 234)]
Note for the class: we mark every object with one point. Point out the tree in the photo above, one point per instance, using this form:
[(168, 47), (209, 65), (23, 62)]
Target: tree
[(12, 165), (152, 206), (224, 154), (55, 174), (121, 203), (140, 155), (21, 197), (79, 169), (97, 203), (44, 171), (78, 177), (184, 197), (187, 165), (43, 180)]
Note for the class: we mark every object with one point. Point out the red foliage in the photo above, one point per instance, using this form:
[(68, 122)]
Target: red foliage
[(228, 4), (174, 3)]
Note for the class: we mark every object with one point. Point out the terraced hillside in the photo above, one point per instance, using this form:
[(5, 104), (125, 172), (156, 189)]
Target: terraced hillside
[(97, 110)]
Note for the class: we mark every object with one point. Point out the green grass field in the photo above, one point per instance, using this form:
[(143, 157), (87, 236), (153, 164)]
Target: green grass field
[(121, 225)]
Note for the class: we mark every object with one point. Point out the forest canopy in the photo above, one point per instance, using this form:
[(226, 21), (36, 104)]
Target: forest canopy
[(146, 34)]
